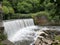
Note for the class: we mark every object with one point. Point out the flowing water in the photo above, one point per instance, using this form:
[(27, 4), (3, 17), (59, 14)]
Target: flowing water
[(22, 31)]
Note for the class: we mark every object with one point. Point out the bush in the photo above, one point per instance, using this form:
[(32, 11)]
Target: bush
[(6, 3), (11, 10), (17, 16), (42, 13), (2, 37), (20, 16), (5, 9), (24, 7)]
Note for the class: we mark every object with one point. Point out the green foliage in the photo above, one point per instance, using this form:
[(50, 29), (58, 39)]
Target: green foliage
[(11, 10), (58, 1), (6, 3), (57, 37), (20, 16), (15, 8), (43, 13), (49, 6), (5, 9), (56, 18), (1, 43), (35, 4), (40, 14), (2, 37), (24, 7), (30, 6)]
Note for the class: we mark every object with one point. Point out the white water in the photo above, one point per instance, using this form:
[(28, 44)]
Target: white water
[(23, 31), (20, 30)]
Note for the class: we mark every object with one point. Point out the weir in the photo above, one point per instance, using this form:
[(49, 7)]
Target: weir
[(20, 31), (23, 31)]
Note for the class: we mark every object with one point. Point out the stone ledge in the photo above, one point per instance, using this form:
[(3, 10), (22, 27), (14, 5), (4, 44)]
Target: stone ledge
[(1, 29), (7, 42)]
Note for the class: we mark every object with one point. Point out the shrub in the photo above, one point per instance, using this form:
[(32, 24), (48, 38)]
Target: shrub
[(38, 16), (24, 7), (5, 9), (11, 10), (6, 3), (20, 16), (2, 37), (42, 13)]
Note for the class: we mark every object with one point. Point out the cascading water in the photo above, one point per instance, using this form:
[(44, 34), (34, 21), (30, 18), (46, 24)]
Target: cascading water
[(23, 31), (20, 32)]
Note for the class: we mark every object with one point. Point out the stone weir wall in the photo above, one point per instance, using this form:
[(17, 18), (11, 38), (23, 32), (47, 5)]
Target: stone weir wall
[(3, 37), (1, 31)]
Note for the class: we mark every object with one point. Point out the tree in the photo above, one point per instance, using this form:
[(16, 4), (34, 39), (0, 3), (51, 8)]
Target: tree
[(32, 5), (35, 4), (6, 3), (57, 3), (24, 7)]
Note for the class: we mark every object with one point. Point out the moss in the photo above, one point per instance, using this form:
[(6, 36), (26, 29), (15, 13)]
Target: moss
[(59, 44), (1, 43), (57, 38), (2, 37)]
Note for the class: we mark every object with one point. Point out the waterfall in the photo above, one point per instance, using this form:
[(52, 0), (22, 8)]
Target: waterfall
[(23, 31), (20, 31)]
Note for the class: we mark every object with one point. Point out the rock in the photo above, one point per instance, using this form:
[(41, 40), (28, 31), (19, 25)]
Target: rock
[(7, 42), (46, 40)]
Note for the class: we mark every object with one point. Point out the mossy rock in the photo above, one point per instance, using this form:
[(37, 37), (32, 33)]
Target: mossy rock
[(1, 43), (57, 38), (2, 37)]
